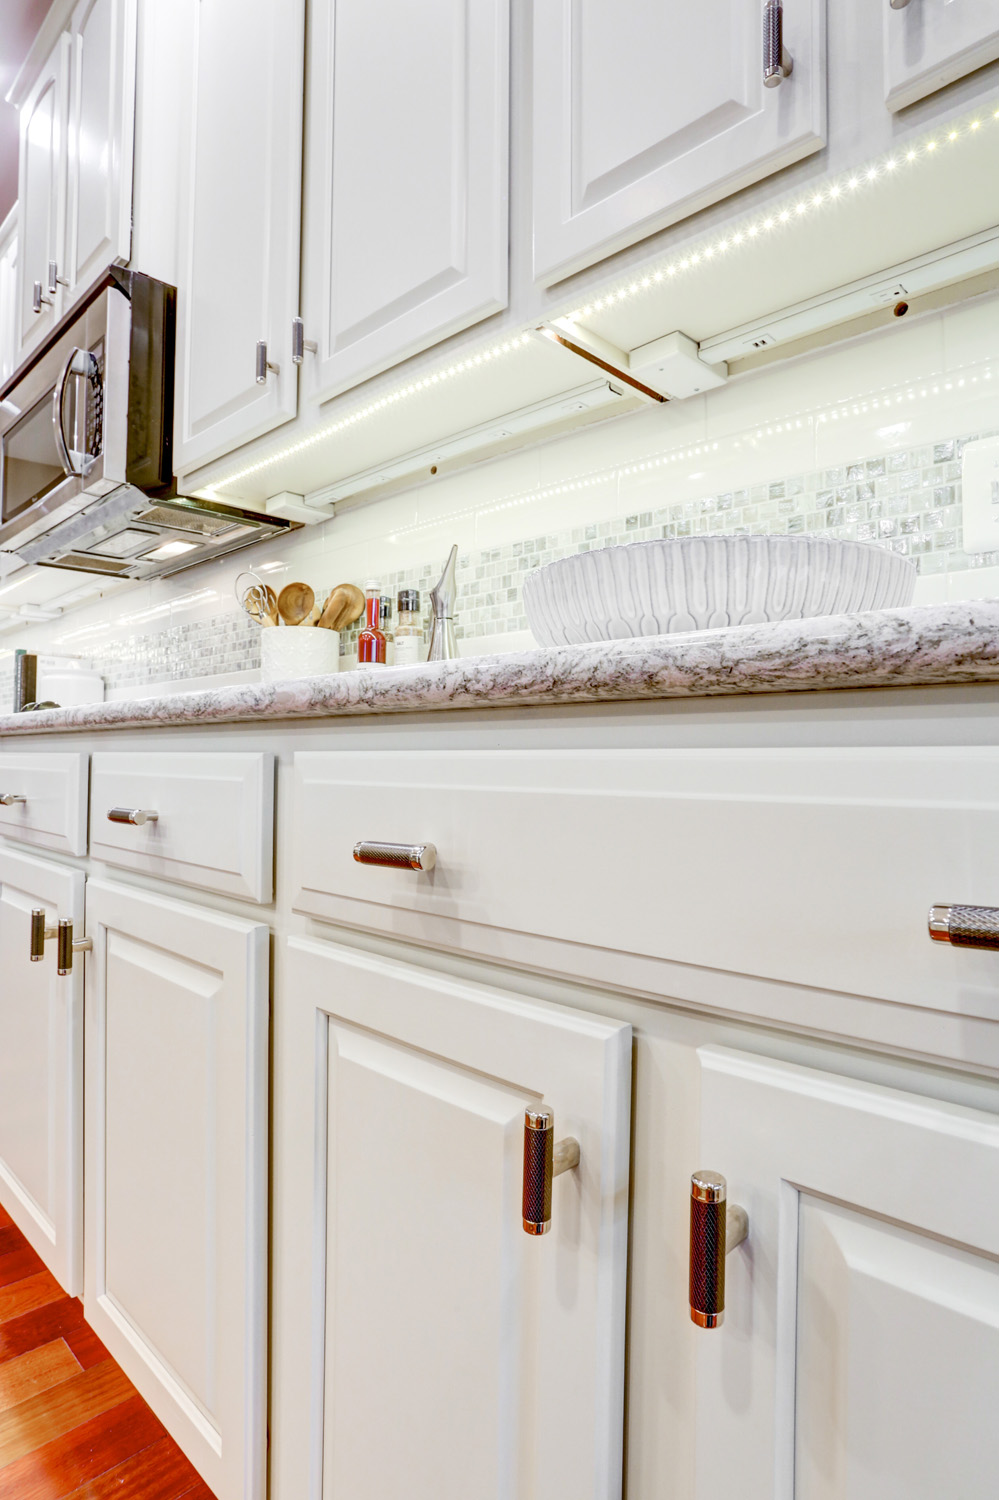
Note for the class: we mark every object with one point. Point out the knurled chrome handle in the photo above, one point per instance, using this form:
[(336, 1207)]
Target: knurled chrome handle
[(7, 799), (137, 816), (965, 926), (715, 1229), (40, 934), (37, 300), (264, 364), (777, 61), (65, 948), (299, 343), (544, 1160), (396, 856), (55, 280)]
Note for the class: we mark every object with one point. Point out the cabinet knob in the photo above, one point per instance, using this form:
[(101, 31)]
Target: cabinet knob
[(965, 926), (777, 61), (137, 816), (65, 948), (544, 1160), (40, 934), (715, 1228), (396, 856), (264, 364), (299, 343), (7, 799)]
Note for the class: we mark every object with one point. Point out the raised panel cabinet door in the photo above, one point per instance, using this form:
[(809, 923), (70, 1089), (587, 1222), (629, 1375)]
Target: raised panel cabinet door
[(645, 113), (858, 1355), (42, 195), (425, 1344), (8, 294), (930, 43), (176, 1160), (406, 200), (101, 119), (242, 228), (41, 1067)]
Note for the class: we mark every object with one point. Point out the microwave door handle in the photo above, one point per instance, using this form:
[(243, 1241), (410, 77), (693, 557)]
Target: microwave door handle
[(78, 362)]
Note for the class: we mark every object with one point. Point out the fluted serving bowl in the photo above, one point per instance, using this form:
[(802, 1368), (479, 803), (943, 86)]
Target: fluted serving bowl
[(698, 583)]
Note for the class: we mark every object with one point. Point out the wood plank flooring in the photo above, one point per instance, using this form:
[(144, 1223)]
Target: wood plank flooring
[(72, 1426)]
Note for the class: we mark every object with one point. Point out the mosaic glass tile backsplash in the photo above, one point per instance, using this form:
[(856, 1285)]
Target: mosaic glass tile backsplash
[(909, 501)]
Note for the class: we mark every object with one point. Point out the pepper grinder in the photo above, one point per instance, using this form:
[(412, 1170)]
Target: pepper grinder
[(443, 645)]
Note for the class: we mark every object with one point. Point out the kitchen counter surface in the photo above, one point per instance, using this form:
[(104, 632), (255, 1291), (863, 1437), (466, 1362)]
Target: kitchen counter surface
[(916, 646)]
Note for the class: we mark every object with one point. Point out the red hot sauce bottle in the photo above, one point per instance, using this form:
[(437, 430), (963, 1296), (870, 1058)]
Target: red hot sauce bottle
[(371, 640)]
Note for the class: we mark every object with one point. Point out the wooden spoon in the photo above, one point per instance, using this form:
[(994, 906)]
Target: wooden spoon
[(343, 606), (295, 603)]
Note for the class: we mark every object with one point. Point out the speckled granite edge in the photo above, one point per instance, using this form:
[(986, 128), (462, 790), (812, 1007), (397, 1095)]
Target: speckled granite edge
[(918, 645)]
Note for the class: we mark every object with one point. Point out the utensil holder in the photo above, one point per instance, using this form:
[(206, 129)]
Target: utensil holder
[(298, 651)]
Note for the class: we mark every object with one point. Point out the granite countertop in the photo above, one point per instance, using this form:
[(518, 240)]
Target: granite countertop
[(916, 646)]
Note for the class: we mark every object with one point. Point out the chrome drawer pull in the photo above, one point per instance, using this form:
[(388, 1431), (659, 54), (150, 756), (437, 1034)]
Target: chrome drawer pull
[(40, 934), (544, 1160), (65, 948), (137, 816), (7, 799), (396, 856), (777, 61), (715, 1229), (965, 926)]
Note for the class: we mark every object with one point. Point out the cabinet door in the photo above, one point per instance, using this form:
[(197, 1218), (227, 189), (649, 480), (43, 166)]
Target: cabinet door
[(41, 1068), (407, 179), (243, 222), (42, 195), (425, 1345), (176, 1211), (858, 1355), (929, 43), (8, 294), (101, 115), (645, 113)]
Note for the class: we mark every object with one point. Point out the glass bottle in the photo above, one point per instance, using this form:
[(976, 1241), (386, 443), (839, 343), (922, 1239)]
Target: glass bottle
[(386, 624), (409, 643), (371, 640)]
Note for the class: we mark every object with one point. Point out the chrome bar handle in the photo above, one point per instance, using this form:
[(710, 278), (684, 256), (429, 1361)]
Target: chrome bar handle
[(715, 1230), (777, 61), (544, 1160), (66, 948), (264, 364), (7, 799), (965, 926), (78, 362), (898, 4), (37, 300), (396, 856), (299, 343), (40, 934), (137, 816), (55, 280)]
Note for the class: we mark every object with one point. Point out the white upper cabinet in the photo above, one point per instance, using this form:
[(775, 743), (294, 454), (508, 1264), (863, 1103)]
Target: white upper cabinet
[(42, 197), (101, 118), (858, 1355), (8, 294), (930, 43), (406, 210), (645, 113), (239, 263)]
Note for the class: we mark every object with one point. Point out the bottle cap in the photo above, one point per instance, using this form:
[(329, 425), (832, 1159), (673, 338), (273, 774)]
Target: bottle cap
[(372, 586), (408, 599)]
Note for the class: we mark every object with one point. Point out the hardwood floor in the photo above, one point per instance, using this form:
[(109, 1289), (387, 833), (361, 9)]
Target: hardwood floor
[(71, 1423)]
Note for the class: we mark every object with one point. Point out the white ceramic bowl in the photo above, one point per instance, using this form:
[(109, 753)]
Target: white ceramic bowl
[(696, 583)]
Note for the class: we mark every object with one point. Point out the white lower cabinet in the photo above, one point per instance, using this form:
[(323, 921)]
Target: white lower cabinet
[(424, 1344), (41, 1067), (176, 1160), (859, 1352)]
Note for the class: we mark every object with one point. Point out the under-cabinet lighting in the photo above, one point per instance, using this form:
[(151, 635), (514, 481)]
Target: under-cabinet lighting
[(168, 550), (777, 218)]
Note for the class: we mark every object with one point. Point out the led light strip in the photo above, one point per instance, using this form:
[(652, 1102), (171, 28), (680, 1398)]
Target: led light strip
[(776, 218), (791, 210)]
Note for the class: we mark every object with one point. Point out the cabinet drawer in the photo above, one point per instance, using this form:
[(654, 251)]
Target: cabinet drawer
[(53, 814), (805, 866), (214, 824)]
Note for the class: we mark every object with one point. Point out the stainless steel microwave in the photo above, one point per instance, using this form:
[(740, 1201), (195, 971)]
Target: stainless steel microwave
[(86, 475)]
